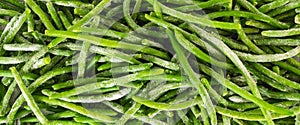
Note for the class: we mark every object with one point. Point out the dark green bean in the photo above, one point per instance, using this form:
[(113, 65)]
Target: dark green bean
[(193, 77), (108, 83)]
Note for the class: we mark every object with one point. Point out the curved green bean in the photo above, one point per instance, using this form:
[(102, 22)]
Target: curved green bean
[(258, 17), (193, 77), (198, 53), (268, 57), (197, 20)]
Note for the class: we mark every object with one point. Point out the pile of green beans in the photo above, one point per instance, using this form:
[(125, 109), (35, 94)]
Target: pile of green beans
[(160, 62)]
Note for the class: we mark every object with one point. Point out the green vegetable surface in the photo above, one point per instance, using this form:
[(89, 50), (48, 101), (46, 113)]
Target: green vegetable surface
[(160, 62)]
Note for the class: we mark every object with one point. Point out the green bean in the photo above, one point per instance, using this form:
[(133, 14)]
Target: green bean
[(38, 82), (52, 12), (290, 60), (114, 53), (275, 76), (16, 3), (268, 57), (245, 39), (28, 76), (103, 4), (93, 99), (14, 29), (198, 53), (148, 120), (285, 8), (127, 69), (114, 106), (103, 90), (106, 42), (2, 21), (272, 5), (76, 108), (6, 98), (83, 55), (236, 115), (161, 62), (5, 5), (14, 60), (136, 27), (166, 107), (191, 37), (43, 17), (28, 97), (64, 19), (105, 66), (6, 12), (201, 5), (157, 10), (234, 44), (30, 23), (41, 62), (130, 112), (251, 30), (61, 52), (167, 97), (166, 77), (287, 15), (23, 113), (193, 77), (246, 116), (297, 119), (70, 3), (253, 9), (258, 24), (33, 58), (277, 42), (297, 19), (62, 122), (268, 80), (279, 95), (108, 83), (251, 82), (21, 39), (136, 9), (71, 83), (258, 17), (166, 87), (54, 61), (82, 119), (244, 93), (281, 33), (197, 20), (119, 35)]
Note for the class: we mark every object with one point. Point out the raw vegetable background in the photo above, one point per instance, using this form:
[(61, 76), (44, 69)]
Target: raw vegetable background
[(160, 62)]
